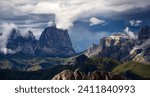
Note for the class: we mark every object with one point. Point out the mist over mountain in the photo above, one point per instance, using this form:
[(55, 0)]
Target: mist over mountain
[(74, 39), (119, 56), (17, 43), (52, 42), (108, 17)]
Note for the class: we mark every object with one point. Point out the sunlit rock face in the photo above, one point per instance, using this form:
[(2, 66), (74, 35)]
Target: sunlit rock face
[(116, 46)]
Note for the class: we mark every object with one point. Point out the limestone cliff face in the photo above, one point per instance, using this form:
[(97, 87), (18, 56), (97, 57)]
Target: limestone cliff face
[(144, 33), (77, 75), (55, 42), (141, 52), (122, 47), (117, 46), (18, 43)]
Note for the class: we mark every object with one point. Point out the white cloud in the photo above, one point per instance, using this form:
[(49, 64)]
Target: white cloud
[(129, 32), (96, 21), (135, 22), (6, 30), (68, 11), (36, 31), (51, 23), (8, 9)]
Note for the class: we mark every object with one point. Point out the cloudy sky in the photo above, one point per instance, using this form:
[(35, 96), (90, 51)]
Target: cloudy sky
[(86, 20)]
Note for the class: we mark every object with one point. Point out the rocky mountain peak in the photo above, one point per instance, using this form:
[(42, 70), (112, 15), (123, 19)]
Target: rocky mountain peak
[(122, 47), (14, 34), (30, 35), (55, 41), (116, 46), (119, 36), (116, 39), (18, 43), (141, 52), (55, 38), (144, 33), (52, 42), (13, 39)]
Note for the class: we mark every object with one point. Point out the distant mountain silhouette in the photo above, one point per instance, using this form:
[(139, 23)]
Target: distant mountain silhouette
[(53, 42)]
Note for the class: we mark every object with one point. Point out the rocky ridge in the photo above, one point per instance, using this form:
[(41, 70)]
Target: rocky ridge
[(53, 42), (141, 51), (77, 75), (116, 46), (17, 43), (123, 48)]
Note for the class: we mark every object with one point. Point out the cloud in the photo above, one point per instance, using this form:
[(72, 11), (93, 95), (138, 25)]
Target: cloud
[(67, 12), (6, 30), (51, 23), (96, 21), (35, 14), (36, 32), (135, 22), (129, 32), (8, 10)]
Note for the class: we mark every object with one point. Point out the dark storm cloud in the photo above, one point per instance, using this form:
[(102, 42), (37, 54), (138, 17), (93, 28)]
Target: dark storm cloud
[(135, 13), (35, 15), (66, 11)]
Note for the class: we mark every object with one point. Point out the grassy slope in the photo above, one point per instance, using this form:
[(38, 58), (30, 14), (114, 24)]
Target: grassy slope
[(31, 64), (86, 66), (32, 75), (131, 70), (105, 64), (97, 63), (139, 69)]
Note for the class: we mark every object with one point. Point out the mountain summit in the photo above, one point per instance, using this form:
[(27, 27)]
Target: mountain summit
[(144, 33), (22, 44), (116, 46), (122, 47), (53, 42)]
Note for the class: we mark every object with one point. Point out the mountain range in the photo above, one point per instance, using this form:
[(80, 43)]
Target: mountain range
[(123, 47), (118, 56), (53, 42)]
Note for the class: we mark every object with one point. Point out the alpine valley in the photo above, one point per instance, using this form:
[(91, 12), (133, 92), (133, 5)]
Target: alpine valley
[(116, 57)]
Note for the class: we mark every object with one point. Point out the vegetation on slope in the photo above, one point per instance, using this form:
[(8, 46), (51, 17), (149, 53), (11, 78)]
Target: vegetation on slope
[(47, 68), (133, 70)]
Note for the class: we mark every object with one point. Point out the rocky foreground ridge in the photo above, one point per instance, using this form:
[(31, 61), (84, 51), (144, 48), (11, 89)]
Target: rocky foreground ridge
[(78, 75)]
